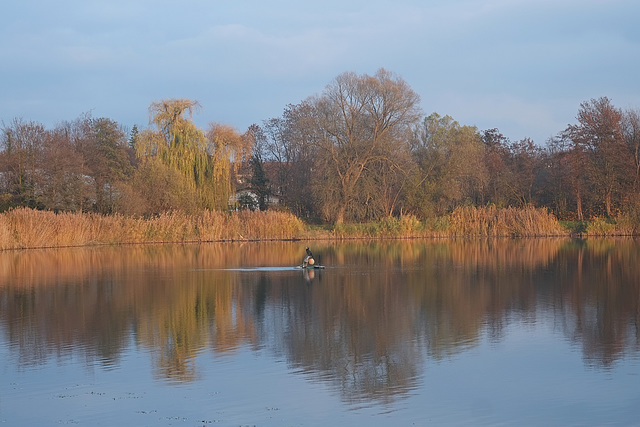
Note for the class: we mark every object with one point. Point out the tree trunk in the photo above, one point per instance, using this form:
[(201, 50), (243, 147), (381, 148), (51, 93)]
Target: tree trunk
[(340, 215), (579, 206)]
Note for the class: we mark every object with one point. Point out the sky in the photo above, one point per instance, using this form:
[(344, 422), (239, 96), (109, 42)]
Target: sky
[(522, 66)]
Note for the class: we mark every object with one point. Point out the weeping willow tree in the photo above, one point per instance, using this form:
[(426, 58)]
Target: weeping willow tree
[(201, 164), (179, 145), (227, 149)]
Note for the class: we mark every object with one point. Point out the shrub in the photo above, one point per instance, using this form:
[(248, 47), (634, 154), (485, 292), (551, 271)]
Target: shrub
[(601, 227)]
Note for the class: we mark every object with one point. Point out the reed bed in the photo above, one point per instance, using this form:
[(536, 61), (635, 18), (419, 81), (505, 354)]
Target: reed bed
[(490, 221), (486, 221), (27, 228)]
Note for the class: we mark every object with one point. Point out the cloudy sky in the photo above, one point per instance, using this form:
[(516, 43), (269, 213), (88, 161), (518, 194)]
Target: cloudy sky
[(523, 66)]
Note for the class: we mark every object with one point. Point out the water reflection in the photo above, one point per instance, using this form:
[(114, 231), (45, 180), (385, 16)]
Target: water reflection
[(366, 324)]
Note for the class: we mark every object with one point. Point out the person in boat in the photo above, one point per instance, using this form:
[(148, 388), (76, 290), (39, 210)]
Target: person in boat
[(308, 260)]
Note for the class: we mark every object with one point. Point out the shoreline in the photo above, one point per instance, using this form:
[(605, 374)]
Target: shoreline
[(25, 228)]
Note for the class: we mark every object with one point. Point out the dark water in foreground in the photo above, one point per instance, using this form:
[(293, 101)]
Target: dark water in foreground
[(438, 332)]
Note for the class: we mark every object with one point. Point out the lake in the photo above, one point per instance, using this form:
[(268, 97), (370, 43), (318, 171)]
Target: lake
[(523, 332)]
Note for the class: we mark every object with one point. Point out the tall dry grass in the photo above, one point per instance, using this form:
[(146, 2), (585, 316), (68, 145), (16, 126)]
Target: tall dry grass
[(27, 228), (490, 221), (486, 221)]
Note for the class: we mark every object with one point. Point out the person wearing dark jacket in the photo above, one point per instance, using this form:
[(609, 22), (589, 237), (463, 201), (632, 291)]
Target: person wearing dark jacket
[(308, 260)]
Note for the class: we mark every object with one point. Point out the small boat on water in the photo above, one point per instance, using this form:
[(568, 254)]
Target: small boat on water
[(309, 262)]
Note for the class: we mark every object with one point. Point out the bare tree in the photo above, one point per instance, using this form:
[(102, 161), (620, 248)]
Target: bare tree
[(524, 164), (289, 147), (108, 161), (360, 123), (496, 156), (569, 178), (609, 161), (61, 187), (22, 149), (631, 134)]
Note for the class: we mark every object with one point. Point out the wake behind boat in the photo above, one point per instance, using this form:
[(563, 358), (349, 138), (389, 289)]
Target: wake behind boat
[(311, 267)]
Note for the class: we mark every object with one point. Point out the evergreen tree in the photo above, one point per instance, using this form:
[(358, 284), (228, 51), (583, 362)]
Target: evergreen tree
[(259, 182), (133, 137)]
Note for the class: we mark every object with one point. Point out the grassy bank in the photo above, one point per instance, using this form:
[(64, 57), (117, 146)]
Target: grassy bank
[(26, 228), (603, 227)]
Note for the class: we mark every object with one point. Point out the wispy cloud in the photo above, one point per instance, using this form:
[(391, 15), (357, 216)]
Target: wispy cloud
[(520, 65)]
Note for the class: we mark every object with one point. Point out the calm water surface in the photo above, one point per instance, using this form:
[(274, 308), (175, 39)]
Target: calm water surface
[(506, 332)]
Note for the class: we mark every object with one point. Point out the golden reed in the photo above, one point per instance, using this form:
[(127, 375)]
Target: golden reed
[(490, 221), (26, 228), (467, 221)]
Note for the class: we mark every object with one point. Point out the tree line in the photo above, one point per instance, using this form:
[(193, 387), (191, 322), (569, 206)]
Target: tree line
[(361, 150)]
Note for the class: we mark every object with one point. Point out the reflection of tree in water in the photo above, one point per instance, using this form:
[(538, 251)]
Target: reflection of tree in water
[(599, 297), (347, 332), (53, 320), (192, 312), (368, 329), (91, 300), (366, 325)]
